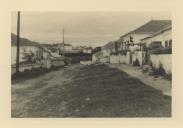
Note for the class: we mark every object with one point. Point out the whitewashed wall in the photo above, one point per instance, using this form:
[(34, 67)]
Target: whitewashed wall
[(114, 59), (105, 59), (128, 58), (86, 62), (164, 59), (122, 59), (94, 59), (22, 48)]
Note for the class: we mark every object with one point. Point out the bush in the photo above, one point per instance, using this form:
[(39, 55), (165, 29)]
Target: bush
[(136, 63), (160, 71), (33, 73), (168, 76), (145, 69)]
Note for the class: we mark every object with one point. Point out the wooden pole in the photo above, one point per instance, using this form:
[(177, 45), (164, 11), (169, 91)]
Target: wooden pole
[(18, 42), (63, 35), (63, 42)]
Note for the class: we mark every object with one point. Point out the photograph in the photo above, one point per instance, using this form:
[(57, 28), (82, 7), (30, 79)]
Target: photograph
[(91, 64)]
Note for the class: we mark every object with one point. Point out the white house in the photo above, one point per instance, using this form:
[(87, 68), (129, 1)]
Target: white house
[(164, 40), (65, 47), (87, 50), (23, 50), (132, 39), (163, 36)]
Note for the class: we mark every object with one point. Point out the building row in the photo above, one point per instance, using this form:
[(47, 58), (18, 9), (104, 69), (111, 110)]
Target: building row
[(150, 43)]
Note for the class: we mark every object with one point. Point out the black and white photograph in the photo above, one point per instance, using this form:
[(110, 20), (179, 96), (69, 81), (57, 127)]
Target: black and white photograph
[(91, 64)]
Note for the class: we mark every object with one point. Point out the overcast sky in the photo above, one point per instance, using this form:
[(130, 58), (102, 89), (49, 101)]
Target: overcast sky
[(81, 28)]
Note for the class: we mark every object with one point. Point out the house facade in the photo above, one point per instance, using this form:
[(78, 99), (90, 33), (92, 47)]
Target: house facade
[(163, 36), (65, 47), (87, 50), (28, 49), (159, 49), (132, 40)]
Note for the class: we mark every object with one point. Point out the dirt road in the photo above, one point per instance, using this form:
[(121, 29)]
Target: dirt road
[(87, 91)]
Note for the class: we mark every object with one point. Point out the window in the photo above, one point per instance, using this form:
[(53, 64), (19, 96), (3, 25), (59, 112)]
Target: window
[(170, 43), (166, 43)]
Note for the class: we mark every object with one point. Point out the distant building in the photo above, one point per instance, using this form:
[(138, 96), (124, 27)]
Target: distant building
[(87, 50), (65, 47), (111, 48), (27, 49), (96, 54), (96, 57)]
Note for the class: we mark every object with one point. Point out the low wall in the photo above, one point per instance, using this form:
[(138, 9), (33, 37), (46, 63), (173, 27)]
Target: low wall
[(164, 59), (86, 62), (56, 63), (122, 59), (114, 59), (22, 68), (105, 59), (118, 59)]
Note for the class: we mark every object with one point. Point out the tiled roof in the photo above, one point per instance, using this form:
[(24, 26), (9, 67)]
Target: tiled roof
[(111, 44), (151, 27), (158, 32)]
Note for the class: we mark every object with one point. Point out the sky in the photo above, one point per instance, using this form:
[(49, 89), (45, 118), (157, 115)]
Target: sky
[(81, 28)]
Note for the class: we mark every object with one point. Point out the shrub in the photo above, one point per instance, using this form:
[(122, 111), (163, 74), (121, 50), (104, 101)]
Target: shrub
[(136, 63), (145, 69), (160, 70), (168, 76)]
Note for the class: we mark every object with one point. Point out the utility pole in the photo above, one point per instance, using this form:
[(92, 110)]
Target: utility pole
[(63, 42), (63, 36), (18, 42)]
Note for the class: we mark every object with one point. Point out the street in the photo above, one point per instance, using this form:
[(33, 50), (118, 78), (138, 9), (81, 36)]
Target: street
[(87, 91)]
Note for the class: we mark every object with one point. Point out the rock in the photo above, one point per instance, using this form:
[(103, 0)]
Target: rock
[(87, 99)]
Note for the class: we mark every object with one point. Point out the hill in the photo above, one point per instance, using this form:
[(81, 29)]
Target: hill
[(23, 41)]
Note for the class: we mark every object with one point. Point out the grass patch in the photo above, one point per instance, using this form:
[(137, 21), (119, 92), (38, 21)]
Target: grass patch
[(160, 71), (28, 74), (100, 91)]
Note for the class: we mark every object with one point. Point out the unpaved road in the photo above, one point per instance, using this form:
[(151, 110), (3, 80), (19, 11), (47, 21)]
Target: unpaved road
[(157, 83), (87, 91)]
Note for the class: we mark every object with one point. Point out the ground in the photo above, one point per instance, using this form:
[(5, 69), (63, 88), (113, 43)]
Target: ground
[(159, 83), (87, 91)]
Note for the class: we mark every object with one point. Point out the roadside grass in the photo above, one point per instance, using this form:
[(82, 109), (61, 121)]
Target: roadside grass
[(100, 91), (28, 74)]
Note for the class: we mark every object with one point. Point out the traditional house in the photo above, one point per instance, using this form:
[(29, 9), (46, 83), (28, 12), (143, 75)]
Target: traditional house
[(65, 47), (131, 41), (159, 49), (106, 51), (164, 37), (87, 50), (96, 54)]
